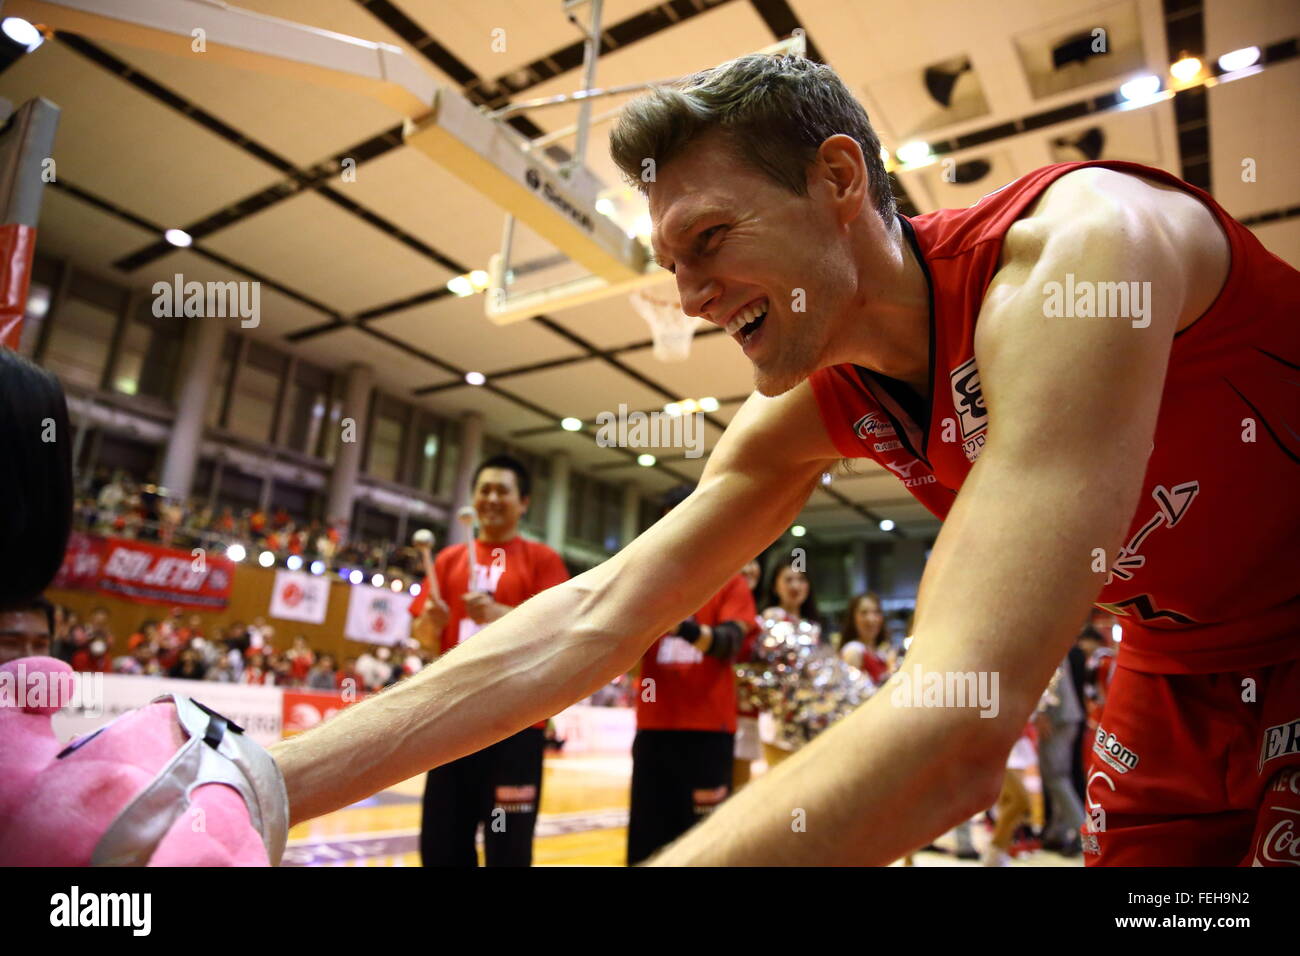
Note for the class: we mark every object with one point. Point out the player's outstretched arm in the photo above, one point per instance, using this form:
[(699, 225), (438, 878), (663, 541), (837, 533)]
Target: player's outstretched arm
[(1072, 405), (567, 642)]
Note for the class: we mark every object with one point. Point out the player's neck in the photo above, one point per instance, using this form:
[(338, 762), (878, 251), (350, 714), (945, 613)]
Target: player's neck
[(889, 326)]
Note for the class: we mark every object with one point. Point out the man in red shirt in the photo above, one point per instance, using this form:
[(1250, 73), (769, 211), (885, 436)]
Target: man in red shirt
[(1089, 374), (686, 717), (500, 786)]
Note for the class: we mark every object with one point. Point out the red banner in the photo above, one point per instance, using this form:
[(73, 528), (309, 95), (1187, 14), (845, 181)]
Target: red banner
[(146, 573), (304, 709), (17, 245)]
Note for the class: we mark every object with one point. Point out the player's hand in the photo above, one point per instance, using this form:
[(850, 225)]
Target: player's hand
[(481, 608)]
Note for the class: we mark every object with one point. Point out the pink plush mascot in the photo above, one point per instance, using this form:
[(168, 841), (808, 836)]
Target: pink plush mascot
[(170, 784)]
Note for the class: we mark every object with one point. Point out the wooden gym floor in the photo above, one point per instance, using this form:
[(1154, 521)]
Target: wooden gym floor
[(583, 823)]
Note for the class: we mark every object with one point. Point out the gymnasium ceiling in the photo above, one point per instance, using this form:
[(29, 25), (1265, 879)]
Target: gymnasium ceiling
[(356, 271)]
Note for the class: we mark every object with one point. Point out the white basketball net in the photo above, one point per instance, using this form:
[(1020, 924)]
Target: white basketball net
[(672, 328)]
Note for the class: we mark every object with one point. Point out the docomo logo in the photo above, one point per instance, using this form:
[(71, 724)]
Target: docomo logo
[(1109, 749), (1280, 845), (209, 300), (41, 690)]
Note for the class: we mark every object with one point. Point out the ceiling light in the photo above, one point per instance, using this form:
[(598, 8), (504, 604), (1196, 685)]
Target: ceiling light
[(236, 552), (356, 577), (396, 586), (1142, 88), (178, 237), (604, 206), (1186, 69), (294, 562), (377, 580), (1239, 59), (798, 531), (22, 33), (645, 461), (886, 525), (479, 279), (915, 152), (415, 589), (709, 404), (266, 559), (673, 408), (571, 424), (475, 378), (318, 567), (461, 285)]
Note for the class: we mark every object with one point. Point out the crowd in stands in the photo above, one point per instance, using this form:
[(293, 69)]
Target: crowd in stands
[(120, 506), (178, 646)]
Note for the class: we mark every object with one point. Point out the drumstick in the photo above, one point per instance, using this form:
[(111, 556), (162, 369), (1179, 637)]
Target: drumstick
[(466, 516), (426, 538)]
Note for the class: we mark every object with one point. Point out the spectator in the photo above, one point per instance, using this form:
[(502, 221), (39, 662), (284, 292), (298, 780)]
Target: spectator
[(322, 676), (300, 660), (93, 658), (348, 680), (189, 666), (255, 672)]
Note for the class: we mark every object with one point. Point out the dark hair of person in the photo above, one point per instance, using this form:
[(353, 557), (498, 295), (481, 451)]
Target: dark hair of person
[(509, 463), (35, 478), (808, 609)]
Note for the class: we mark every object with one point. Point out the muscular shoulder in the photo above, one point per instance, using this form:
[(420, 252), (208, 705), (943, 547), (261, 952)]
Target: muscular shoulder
[(1094, 213)]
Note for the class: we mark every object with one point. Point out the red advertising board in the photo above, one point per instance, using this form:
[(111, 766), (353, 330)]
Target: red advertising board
[(146, 573), (304, 709)]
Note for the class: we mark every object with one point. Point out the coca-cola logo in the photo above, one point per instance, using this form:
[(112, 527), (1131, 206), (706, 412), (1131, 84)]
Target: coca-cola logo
[(1280, 845)]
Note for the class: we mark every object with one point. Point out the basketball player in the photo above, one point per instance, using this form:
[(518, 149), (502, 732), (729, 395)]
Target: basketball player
[(501, 785), (1145, 460)]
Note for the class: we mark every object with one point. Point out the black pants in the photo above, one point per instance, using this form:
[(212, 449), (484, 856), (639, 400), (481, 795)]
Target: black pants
[(678, 777), (500, 787)]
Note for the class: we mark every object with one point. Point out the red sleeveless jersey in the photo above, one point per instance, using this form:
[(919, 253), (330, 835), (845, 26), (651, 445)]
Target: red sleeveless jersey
[(1208, 578)]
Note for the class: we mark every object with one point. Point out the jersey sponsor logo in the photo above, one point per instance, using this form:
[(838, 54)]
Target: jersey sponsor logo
[(904, 471), (968, 403), (1280, 740), (1280, 845), (1109, 748), (887, 446), (872, 424)]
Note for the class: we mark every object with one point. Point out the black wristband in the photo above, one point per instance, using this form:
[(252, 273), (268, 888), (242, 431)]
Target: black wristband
[(689, 630), (727, 640)]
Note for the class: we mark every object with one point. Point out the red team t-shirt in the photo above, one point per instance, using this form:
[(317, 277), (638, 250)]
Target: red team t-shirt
[(1208, 579), (511, 571), (693, 691)]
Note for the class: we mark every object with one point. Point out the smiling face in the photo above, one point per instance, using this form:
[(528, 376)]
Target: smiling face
[(498, 502), (774, 269), (791, 588)]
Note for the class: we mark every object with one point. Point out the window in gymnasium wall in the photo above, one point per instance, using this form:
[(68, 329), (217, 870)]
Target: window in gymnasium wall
[(149, 354), (256, 393), (388, 426), (221, 382), (81, 333), (423, 470), (451, 459), (331, 432), (309, 403)]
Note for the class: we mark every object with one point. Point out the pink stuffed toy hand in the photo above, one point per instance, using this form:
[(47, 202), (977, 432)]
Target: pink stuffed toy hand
[(169, 784)]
